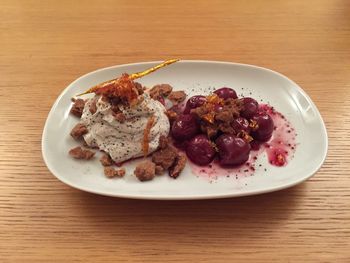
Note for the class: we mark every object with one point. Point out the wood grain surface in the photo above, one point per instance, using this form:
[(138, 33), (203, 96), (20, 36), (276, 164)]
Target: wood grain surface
[(45, 45)]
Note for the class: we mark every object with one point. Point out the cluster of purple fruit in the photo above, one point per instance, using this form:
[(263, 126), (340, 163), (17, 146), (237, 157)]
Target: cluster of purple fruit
[(230, 149)]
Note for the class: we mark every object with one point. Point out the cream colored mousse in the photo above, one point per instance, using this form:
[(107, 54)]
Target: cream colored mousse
[(124, 140)]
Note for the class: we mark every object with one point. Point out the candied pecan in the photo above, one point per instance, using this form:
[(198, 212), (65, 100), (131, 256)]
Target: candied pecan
[(178, 166), (233, 105), (160, 90), (110, 172), (165, 157), (77, 107), (224, 116), (168, 158), (200, 111), (79, 153), (120, 172), (106, 160), (145, 171), (78, 131), (163, 142), (177, 96)]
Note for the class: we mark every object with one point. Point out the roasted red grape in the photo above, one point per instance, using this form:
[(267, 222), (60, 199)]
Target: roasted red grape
[(264, 127), (232, 150), (241, 124), (200, 150), (194, 102), (250, 107), (226, 93), (184, 127)]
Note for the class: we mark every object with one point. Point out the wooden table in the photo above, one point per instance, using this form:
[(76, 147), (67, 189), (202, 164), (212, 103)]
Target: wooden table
[(46, 45)]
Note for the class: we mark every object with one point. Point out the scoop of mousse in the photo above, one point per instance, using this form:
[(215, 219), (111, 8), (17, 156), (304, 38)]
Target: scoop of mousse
[(127, 126)]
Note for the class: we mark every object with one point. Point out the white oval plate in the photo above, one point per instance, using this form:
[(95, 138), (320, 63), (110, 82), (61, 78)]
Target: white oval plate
[(194, 77)]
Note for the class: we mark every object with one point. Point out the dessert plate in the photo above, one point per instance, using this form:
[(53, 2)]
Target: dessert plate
[(194, 77)]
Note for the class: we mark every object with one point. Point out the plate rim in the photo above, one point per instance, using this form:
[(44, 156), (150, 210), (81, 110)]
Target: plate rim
[(192, 196)]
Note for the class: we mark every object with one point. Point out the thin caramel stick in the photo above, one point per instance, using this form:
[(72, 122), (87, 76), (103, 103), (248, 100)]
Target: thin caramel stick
[(132, 76), (148, 71)]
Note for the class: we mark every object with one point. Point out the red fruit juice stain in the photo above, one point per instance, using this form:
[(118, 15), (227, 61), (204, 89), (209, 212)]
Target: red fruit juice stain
[(214, 170), (280, 149)]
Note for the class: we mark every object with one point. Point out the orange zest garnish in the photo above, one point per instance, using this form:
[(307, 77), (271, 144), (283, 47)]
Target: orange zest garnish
[(214, 99), (209, 117), (280, 159), (212, 102), (245, 136), (254, 125), (146, 132)]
